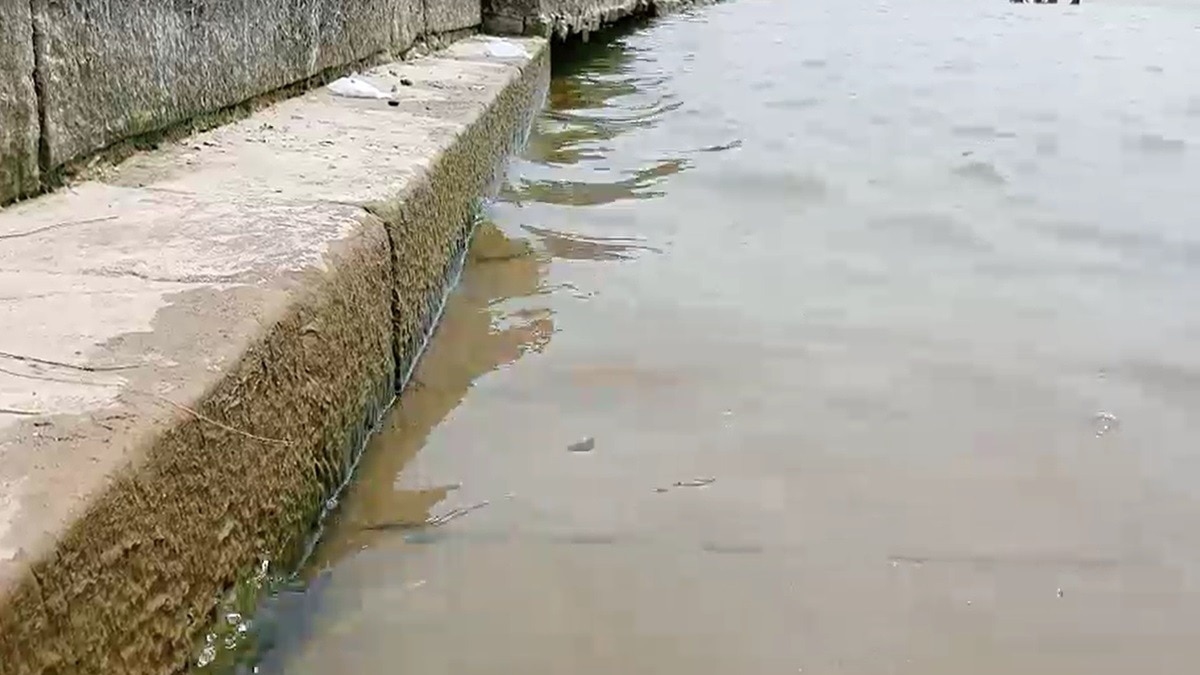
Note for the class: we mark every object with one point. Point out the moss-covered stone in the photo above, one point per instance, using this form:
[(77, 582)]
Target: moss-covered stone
[(431, 224), (135, 579), (290, 310)]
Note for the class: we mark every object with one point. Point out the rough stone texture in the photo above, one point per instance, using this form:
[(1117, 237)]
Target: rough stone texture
[(114, 69), (18, 105), (196, 341), (444, 16), (563, 18), (408, 23), (559, 18)]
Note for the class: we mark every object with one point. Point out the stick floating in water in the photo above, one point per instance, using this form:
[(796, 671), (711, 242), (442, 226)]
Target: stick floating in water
[(436, 521)]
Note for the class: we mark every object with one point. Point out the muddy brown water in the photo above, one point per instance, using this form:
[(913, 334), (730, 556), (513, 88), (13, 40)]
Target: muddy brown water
[(884, 318)]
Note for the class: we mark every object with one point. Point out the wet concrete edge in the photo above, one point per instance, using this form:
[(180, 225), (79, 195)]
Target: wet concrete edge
[(324, 370)]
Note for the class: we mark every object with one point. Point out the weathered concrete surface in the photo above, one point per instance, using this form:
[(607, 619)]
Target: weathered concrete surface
[(18, 104), (113, 69), (195, 341)]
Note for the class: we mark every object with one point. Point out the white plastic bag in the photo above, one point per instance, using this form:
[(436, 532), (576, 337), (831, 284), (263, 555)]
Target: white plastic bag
[(353, 87), (503, 49)]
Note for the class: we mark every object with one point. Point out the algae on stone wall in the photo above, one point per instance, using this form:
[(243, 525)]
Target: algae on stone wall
[(233, 470)]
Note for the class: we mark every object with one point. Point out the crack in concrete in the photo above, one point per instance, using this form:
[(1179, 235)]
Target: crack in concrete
[(280, 200), (240, 278), (39, 86), (395, 300), (190, 280), (55, 226)]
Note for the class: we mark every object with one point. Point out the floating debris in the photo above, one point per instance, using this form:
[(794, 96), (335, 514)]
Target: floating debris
[(437, 521), (732, 145), (432, 521), (1104, 422), (586, 445)]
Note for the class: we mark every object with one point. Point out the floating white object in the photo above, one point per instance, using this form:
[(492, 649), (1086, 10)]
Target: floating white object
[(503, 49), (353, 87)]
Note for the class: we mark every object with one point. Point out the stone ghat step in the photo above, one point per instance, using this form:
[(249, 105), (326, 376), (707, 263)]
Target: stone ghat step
[(196, 342)]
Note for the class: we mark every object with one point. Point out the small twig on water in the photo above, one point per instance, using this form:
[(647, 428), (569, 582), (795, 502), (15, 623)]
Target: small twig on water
[(437, 521), (698, 482)]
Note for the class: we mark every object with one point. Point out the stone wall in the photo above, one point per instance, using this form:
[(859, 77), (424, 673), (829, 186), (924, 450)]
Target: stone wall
[(18, 104), (114, 69), (446, 16), (558, 17), (111, 70)]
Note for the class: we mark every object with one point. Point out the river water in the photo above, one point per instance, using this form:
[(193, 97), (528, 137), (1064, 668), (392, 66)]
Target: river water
[(884, 319)]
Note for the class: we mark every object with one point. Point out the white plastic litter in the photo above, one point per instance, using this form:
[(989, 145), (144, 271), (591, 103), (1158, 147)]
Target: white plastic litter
[(503, 49), (353, 87)]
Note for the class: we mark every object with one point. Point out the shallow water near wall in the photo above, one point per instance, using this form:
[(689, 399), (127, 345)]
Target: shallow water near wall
[(882, 319)]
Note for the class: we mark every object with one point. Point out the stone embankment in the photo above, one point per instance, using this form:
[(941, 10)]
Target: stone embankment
[(198, 338)]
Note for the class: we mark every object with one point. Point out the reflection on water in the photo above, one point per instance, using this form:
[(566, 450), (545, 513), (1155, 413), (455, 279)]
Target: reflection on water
[(568, 246), (883, 318), (480, 332), (598, 95), (594, 193)]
